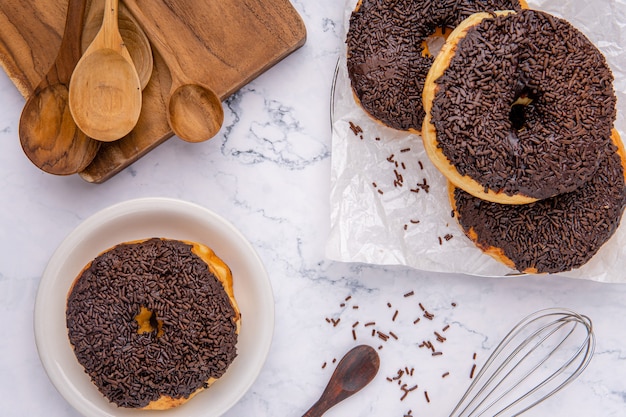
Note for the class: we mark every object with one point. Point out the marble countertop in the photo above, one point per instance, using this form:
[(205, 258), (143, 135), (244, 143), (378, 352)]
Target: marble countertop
[(267, 172)]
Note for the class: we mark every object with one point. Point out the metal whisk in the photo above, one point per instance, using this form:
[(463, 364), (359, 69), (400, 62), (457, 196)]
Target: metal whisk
[(542, 354)]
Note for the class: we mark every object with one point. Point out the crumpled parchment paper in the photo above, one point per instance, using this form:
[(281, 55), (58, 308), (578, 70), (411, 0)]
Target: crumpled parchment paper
[(389, 204)]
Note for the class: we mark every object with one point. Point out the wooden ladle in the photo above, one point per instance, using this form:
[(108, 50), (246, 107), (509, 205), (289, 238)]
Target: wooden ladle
[(105, 90), (48, 134), (354, 371), (194, 111)]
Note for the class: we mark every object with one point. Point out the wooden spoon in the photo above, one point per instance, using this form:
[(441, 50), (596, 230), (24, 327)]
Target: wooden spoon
[(48, 134), (194, 111), (105, 90), (355, 370), (134, 38)]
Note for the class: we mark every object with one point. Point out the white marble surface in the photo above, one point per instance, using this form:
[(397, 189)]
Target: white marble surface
[(267, 172)]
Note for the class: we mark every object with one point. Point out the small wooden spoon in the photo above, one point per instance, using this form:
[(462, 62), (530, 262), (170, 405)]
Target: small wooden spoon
[(48, 134), (194, 111), (105, 90), (354, 371)]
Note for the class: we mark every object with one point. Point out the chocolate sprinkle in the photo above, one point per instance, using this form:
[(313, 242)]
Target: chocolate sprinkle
[(199, 337), (385, 58), (554, 142), (556, 234)]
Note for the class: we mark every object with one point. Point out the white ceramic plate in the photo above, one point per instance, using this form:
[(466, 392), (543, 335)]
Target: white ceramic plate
[(140, 219)]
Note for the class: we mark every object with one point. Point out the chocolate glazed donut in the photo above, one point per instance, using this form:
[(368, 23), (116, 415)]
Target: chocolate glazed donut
[(388, 57), (552, 235), (520, 107), (154, 322)]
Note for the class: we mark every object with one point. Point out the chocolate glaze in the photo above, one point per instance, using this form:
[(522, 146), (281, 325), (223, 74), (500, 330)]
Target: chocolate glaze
[(556, 234), (198, 335), (384, 56), (548, 147)]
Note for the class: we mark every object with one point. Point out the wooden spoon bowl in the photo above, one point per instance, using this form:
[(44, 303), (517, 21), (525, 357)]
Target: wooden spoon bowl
[(194, 111), (48, 134), (105, 90), (134, 38), (355, 370)]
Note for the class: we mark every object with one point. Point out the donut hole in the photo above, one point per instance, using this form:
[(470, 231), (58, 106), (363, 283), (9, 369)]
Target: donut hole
[(148, 322), (433, 43), (519, 109)]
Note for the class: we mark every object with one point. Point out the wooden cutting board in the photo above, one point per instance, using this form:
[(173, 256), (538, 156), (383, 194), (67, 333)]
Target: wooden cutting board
[(222, 43)]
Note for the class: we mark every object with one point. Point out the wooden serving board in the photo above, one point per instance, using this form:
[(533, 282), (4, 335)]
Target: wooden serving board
[(222, 43)]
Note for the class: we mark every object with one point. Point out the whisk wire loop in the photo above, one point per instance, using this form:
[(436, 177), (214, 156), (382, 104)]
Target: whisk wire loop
[(542, 354)]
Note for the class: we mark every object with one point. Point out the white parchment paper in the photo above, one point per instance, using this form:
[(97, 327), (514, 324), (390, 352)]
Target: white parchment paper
[(389, 204)]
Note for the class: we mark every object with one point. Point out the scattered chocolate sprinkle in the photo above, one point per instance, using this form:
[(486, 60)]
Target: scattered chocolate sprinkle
[(472, 371), (445, 328), (408, 294), (437, 353), (370, 323), (407, 391), (426, 395), (355, 129), (324, 365), (445, 374), (353, 334), (395, 315)]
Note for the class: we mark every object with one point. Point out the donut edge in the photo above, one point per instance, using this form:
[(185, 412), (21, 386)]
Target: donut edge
[(429, 132)]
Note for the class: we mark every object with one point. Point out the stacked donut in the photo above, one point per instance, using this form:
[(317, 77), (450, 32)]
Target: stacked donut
[(517, 112)]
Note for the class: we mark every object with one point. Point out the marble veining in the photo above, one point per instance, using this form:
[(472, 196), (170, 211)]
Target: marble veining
[(268, 172)]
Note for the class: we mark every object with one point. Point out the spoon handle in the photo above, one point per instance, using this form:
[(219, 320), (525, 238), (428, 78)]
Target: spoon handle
[(70, 49), (317, 410), (110, 25)]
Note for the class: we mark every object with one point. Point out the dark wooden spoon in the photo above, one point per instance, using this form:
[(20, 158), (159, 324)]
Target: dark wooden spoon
[(354, 371), (48, 134)]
